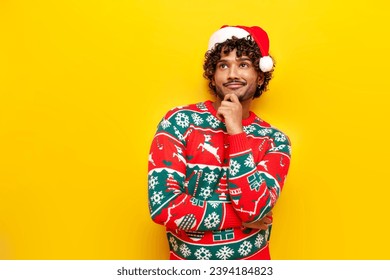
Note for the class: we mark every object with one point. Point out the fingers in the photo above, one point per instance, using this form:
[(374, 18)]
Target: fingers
[(264, 227), (269, 216), (257, 226), (230, 105), (226, 109), (267, 220), (232, 98), (263, 224), (230, 111), (220, 115)]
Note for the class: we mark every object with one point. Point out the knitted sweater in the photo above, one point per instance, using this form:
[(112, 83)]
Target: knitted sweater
[(204, 183)]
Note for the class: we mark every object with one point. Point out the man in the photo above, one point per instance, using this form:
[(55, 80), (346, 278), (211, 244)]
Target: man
[(216, 170)]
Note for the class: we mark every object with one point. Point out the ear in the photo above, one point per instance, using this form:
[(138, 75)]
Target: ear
[(260, 79)]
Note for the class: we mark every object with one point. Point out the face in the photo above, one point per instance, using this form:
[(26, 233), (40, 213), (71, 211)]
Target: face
[(236, 75)]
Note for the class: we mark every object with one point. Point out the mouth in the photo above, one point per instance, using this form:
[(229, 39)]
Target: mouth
[(234, 84)]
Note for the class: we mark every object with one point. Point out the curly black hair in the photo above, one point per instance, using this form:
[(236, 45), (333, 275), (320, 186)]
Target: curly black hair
[(244, 46)]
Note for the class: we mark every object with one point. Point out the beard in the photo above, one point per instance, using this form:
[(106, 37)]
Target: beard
[(243, 94)]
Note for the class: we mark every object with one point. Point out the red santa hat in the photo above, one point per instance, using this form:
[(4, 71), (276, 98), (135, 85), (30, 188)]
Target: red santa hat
[(257, 34)]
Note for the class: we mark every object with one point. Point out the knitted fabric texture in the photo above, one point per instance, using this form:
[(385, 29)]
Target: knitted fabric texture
[(203, 183)]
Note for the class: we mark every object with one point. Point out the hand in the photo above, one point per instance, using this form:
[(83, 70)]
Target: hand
[(263, 224), (230, 110)]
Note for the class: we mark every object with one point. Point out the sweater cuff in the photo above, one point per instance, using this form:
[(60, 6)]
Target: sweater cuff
[(238, 143)]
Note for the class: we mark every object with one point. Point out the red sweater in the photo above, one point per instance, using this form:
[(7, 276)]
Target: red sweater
[(204, 183)]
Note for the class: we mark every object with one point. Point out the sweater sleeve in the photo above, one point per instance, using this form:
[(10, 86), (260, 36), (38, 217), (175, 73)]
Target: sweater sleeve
[(169, 202), (255, 184)]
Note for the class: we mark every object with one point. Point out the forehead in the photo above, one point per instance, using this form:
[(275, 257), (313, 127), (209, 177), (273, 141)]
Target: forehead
[(233, 55)]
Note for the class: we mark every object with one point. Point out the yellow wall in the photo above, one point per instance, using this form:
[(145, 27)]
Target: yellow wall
[(83, 85)]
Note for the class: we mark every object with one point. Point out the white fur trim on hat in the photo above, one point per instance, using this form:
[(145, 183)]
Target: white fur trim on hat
[(225, 33)]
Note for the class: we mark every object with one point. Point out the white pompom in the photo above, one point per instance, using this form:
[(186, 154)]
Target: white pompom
[(266, 63)]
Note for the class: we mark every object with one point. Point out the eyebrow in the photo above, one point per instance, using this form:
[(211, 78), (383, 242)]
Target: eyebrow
[(243, 58), (237, 59)]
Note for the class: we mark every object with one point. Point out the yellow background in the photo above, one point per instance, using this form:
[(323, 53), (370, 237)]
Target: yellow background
[(83, 85)]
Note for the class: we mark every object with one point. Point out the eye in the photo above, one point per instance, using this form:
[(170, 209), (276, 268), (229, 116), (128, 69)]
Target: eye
[(244, 65), (222, 66)]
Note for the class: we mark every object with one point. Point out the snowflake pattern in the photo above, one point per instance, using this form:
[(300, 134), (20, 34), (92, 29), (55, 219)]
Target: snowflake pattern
[(153, 182), (182, 120), (213, 121), (156, 198), (212, 220), (203, 254), (210, 177), (224, 253), (165, 123), (280, 137), (264, 131), (234, 167), (277, 148), (249, 162), (214, 204), (245, 248), (197, 119), (173, 242), (205, 192), (201, 106), (185, 250), (259, 240), (249, 128)]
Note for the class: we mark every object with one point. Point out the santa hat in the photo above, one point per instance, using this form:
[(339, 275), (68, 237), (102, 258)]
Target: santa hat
[(257, 34)]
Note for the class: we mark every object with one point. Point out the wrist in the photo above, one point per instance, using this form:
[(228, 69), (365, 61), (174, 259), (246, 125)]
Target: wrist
[(235, 131)]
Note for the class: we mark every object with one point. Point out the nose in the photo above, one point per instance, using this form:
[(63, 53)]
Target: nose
[(233, 72)]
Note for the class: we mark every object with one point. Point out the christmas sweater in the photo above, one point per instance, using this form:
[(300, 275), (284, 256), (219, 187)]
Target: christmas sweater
[(203, 183)]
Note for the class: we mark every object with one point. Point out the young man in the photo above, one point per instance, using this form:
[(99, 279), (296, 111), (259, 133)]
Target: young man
[(216, 170)]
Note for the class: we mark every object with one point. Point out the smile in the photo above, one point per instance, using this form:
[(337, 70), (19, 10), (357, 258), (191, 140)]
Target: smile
[(234, 84)]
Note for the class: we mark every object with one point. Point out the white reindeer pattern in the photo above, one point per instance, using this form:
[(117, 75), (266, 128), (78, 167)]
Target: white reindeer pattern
[(207, 146)]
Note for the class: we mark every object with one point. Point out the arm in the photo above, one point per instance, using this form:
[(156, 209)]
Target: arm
[(255, 187), (169, 203)]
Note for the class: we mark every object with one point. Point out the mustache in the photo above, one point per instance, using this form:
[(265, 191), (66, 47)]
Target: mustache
[(235, 81)]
